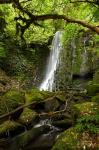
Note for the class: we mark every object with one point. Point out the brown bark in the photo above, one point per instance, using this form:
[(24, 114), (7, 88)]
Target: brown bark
[(69, 20), (7, 115)]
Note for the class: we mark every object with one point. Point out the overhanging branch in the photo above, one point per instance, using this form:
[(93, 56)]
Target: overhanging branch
[(67, 19), (34, 19)]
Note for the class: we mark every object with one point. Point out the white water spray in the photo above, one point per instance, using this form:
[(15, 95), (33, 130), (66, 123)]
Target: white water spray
[(53, 62)]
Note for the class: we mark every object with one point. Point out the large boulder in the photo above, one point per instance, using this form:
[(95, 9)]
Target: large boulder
[(86, 108), (8, 126), (85, 133), (71, 139)]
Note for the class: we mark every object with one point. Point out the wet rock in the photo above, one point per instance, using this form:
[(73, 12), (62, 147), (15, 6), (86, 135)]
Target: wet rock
[(25, 138), (51, 105), (9, 128), (63, 124), (44, 142)]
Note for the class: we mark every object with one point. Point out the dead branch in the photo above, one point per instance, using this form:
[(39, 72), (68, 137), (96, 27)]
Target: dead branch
[(23, 106)]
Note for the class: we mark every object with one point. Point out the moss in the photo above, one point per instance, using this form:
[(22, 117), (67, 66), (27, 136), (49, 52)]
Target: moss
[(95, 98), (92, 88), (73, 140), (27, 116), (35, 95), (67, 140), (88, 117), (25, 138), (86, 108), (8, 126), (61, 97), (10, 101)]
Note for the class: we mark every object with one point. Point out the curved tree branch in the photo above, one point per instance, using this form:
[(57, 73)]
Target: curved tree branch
[(69, 20), (33, 19)]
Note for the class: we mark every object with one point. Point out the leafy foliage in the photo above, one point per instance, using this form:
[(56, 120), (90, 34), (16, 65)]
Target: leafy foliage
[(88, 123)]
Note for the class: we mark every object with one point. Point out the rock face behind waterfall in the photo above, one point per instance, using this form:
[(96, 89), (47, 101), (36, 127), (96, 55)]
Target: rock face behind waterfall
[(52, 65), (78, 61), (75, 59)]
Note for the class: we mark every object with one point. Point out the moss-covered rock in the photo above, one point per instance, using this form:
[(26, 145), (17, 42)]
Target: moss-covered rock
[(73, 140), (86, 108), (92, 88), (35, 95), (27, 116), (88, 117), (25, 138), (51, 105), (11, 100), (8, 126)]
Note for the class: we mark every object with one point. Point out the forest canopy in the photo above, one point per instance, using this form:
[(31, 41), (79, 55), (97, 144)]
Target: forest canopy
[(45, 16)]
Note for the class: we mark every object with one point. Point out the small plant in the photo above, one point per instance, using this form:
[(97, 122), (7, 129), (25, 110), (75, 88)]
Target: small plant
[(88, 123)]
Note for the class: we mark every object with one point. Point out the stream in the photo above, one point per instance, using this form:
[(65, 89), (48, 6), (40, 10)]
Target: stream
[(44, 132)]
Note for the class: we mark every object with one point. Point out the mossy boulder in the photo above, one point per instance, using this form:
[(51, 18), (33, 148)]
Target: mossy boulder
[(35, 95), (25, 138), (27, 116), (11, 100), (88, 117), (73, 140), (86, 108), (92, 88), (8, 126)]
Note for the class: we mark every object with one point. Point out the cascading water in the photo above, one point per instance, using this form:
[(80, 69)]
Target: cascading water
[(48, 82)]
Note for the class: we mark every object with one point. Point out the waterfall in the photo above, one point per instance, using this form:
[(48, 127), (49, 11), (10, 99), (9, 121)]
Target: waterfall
[(53, 62)]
